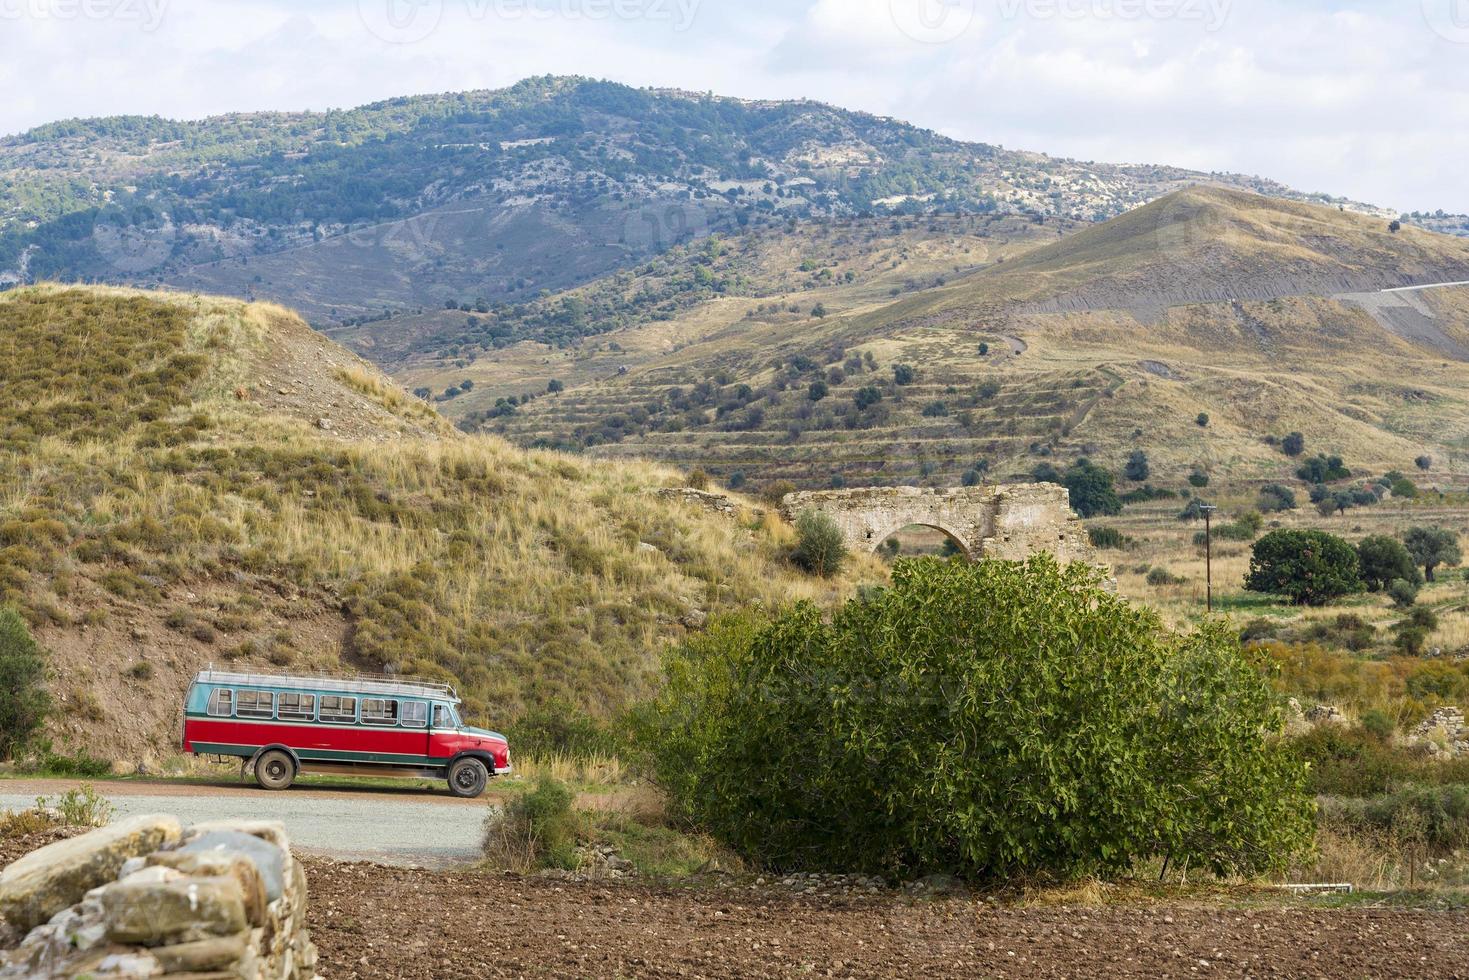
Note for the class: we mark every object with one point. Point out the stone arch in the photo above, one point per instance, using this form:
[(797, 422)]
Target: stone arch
[(1009, 521), (970, 549)]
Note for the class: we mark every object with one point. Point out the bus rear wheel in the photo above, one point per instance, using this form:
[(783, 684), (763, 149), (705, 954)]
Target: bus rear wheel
[(468, 778), (275, 770)]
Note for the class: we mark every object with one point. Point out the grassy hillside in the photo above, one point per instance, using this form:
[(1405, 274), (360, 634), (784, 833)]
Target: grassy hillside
[(186, 480), (1250, 311)]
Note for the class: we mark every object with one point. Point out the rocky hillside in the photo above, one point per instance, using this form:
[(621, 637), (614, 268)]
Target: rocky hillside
[(489, 197), (1264, 316), (187, 480)]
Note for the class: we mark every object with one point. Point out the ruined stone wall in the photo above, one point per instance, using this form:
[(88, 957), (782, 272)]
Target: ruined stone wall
[(145, 897), (1010, 521)]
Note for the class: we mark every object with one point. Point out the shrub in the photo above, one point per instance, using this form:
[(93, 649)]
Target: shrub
[(1161, 576), (24, 702), (1293, 445), (1202, 420), (1404, 489), (1091, 489), (1424, 463), (536, 830), (819, 546), (1310, 567), (1198, 479), (1434, 816), (984, 720), (935, 410), (1324, 469), (1275, 498), (904, 374), (1384, 560), (1107, 537), (1404, 593), (1137, 468), (557, 727), (774, 493)]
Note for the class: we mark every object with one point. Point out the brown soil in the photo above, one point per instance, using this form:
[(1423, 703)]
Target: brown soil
[(384, 922)]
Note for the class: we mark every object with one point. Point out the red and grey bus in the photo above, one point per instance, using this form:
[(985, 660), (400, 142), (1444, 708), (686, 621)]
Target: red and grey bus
[(281, 725)]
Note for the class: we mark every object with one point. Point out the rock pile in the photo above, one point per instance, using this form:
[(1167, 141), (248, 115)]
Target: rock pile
[(1443, 734), (145, 897), (716, 502)]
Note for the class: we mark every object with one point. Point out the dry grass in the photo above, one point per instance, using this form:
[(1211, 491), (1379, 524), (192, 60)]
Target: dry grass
[(524, 576)]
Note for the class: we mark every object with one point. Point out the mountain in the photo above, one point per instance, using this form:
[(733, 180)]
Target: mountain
[(192, 480), (488, 198), (1265, 316)]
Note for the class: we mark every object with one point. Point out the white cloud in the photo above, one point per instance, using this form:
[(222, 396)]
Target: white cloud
[(1355, 97)]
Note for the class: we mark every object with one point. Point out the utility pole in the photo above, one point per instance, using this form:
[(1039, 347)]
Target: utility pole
[(1208, 510)]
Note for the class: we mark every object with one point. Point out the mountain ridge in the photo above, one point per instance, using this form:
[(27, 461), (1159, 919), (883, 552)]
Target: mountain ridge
[(494, 194)]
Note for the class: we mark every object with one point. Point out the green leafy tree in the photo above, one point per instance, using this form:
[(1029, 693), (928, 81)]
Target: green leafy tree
[(904, 374), (985, 720), (1274, 498), (1383, 560), (817, 391), (820, 549), (1432, 547), (1324, 469), (1424, 463), (23, 699), (1045, 473), (1311, 567), (1293, 445), (1137, 469), (1092, 490)]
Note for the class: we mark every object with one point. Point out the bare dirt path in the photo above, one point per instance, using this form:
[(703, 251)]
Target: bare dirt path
[(486, 925)]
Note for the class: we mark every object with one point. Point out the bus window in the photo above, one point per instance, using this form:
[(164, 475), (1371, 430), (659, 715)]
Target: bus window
[(255, 704), (221, 702), (415, 714), (379, 711), (337, 709), (296, 707), (443, 717)]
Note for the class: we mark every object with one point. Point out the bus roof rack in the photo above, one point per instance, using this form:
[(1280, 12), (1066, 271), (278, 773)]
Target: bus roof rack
[(385, 684)]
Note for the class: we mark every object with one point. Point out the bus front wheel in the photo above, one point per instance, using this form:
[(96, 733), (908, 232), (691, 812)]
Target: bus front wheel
[(468, 778), (275, 770)]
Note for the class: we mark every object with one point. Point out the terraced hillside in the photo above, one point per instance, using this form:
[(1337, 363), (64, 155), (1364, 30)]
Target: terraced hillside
[(1193, 329), (187, 480)]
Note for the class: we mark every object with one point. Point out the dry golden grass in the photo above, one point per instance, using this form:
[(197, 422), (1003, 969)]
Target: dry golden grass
[(522, 575)]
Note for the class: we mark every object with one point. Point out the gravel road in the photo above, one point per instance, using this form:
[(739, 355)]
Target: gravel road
[(411, 828)]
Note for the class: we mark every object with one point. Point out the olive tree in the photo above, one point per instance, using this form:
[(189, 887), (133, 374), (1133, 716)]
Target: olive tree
[(1432, 547), (1384, 560), (984, 720), (820, 549)]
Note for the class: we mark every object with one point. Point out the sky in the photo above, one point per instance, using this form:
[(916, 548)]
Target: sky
[(1365, 99)]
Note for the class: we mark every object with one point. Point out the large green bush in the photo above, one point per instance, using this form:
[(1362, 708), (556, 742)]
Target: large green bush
[(1310, 567), (23, 698), (979, 719)]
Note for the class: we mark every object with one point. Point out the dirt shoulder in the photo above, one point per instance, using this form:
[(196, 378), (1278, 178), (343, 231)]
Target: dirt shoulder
[(486, 925)]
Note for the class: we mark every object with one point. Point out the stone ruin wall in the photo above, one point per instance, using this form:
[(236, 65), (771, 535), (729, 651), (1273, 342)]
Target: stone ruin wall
[(146, 897), (1011, 521)]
